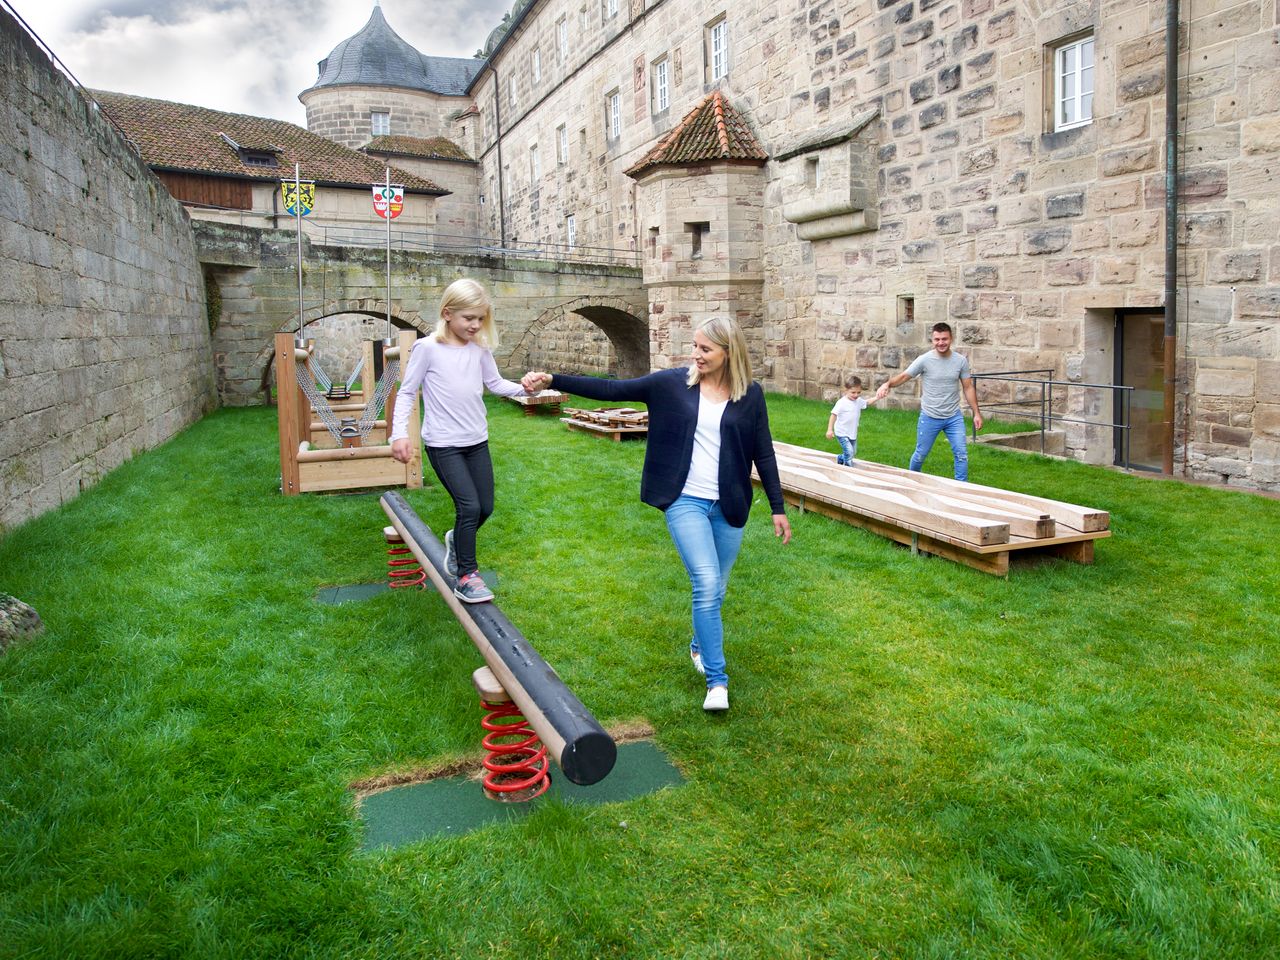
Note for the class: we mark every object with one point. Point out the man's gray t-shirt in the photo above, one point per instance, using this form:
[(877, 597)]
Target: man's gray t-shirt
[(940, 383)]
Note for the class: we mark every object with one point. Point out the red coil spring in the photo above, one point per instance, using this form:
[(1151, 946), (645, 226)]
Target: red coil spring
[(403, 569), (518, 769)]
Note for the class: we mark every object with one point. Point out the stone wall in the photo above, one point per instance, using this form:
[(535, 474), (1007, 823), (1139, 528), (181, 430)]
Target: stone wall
[(1028, 241), (104, 338), (342, 113)]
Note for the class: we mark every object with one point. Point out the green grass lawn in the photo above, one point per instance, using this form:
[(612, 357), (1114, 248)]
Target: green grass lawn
[(921, 760)]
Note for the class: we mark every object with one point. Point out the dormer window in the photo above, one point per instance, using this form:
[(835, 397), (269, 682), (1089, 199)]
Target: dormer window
[(379, 123), (264, 156)]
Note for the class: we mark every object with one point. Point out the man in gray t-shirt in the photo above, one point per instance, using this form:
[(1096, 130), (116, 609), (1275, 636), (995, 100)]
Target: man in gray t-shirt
[(943, 375)]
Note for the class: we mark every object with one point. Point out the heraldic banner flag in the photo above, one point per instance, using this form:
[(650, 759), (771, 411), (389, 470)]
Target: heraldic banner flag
[(298, 195), (388, 200)]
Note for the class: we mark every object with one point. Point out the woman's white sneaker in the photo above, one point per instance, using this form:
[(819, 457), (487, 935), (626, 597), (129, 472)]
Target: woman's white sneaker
[(717, 699)]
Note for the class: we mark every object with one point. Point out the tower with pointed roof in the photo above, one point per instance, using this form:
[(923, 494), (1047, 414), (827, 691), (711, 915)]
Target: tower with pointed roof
[(377, 93)]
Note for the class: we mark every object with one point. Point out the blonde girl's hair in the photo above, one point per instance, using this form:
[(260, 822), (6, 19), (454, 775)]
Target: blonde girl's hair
[(727, 335), (467, 294)]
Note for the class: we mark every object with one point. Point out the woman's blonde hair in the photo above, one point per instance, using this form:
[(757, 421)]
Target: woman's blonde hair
[(727, 335), (467, 294)]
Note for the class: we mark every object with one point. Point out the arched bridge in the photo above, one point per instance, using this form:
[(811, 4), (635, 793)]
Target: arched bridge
[(253, 279)]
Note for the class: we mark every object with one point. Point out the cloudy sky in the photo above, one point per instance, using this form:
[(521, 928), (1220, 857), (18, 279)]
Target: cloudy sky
[(245, 56)]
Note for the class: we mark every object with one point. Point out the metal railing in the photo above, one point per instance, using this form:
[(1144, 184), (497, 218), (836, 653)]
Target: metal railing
[(1122, 401), (423, 240)]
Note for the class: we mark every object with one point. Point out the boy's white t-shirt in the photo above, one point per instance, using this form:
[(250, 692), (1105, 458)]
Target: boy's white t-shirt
[(704, 468), (848, 413)]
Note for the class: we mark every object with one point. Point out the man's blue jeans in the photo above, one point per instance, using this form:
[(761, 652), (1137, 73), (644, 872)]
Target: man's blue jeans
[(849, 449), (708, 546), (927, 430)]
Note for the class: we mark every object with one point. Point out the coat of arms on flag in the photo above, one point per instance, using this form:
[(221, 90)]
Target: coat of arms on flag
[(296, 194), (388, 197)]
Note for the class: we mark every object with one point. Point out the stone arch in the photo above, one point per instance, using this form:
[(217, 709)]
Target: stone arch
[(616, 317), (370, 307)]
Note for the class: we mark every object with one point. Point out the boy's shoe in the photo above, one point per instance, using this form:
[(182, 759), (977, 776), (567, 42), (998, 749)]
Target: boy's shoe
[(450, 558), (696, 657), (471, 589), (717, 699)]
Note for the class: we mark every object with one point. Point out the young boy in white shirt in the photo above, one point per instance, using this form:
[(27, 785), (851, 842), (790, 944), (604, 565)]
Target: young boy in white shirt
[(843, 423)]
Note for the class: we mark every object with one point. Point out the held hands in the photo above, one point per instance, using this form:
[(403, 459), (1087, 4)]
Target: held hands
[(534, 382), (401, 450), (883, 391), (782, 527)]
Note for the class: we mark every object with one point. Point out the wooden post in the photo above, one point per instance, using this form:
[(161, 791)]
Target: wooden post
[(288, 397)]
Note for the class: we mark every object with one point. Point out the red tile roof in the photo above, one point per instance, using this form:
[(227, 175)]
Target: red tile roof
[(190, 139), (424, 148), (712, 130)]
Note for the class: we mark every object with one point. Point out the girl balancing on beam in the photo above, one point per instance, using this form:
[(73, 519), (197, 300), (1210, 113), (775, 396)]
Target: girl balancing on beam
[(451, 368), (707, 425)]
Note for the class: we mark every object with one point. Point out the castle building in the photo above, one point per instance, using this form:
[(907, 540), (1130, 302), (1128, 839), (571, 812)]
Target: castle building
[(1082, 200)]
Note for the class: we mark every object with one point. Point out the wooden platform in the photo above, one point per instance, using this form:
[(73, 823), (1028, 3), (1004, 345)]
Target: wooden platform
[(549, 400), (979, 526), (616, 423)]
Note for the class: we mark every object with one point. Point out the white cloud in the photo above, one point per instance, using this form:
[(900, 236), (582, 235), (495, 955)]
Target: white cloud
[(245, 56)]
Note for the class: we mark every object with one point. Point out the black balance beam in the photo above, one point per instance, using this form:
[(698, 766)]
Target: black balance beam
[(573, 737)]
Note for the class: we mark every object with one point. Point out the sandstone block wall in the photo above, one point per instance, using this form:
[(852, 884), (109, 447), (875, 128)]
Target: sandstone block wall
[(104, 340), (342, 113), (1029, 241)]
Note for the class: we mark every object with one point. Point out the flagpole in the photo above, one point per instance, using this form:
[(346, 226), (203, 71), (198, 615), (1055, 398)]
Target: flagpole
[(297, 213), (387, 197)]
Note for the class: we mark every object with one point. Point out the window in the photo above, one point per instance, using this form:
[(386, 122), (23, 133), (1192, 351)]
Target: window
[(608, 8), (379, 123), (906, 309), (812, 173), (535, 167), (536, 66), (717, 50), (562, 145), (697, 233), (562, 40), (571, 231), (1073, 84), (653, 243), (613, 115), (661, 85), (511, 89)]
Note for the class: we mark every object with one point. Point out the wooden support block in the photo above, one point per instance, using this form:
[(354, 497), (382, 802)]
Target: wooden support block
[(488, 686)]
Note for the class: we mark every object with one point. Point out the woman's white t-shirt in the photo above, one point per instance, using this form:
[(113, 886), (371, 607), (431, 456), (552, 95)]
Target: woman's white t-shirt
[(704, 468)]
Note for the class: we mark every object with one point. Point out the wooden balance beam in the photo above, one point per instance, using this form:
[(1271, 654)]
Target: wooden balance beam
[(572, 736)]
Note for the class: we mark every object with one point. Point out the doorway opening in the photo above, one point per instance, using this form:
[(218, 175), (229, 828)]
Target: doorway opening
[(1139, 363)]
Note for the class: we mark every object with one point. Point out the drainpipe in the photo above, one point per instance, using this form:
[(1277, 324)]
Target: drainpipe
[(497, 122), (1170, 226)]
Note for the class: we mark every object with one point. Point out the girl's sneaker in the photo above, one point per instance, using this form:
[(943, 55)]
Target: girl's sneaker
[(696, 657), (471, 589), (450, 558)]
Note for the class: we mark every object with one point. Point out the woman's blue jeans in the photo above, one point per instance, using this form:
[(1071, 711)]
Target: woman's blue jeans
[(927, 430), (708, 545)]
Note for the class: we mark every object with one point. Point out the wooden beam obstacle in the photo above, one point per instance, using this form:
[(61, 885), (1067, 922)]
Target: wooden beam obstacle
[(572, 736), (978, 526), (311, 459)]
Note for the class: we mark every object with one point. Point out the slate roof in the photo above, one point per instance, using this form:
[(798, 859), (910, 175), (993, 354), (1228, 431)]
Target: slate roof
[(378, 56), (189, 139), (713, 130), (425, 148)]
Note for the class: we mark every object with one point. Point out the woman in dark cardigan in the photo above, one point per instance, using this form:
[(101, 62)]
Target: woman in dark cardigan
[(707, 426)]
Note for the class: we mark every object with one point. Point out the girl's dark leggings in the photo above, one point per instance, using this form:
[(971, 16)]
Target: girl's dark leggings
[(467, 474)]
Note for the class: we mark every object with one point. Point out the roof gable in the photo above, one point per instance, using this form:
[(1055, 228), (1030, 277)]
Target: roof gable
[(713, 130)]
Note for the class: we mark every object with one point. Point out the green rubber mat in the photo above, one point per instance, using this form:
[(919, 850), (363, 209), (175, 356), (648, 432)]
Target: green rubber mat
[(354, 591), (457, 805)]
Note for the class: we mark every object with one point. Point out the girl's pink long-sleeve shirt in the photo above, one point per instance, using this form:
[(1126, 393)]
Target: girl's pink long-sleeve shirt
[(452, 381)]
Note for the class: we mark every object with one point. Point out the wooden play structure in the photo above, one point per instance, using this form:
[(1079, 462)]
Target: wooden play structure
[(522, 695), (548, 400), (336, 439), (615, 423), (978, 526)]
